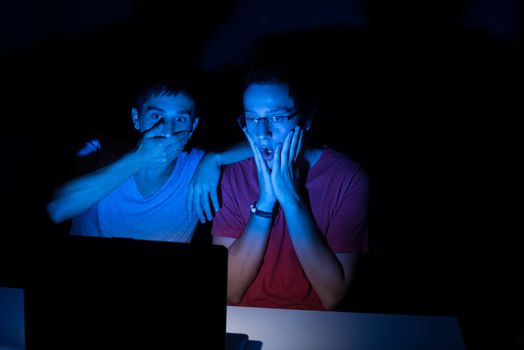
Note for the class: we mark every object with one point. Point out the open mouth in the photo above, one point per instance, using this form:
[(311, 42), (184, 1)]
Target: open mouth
[(267, 154)]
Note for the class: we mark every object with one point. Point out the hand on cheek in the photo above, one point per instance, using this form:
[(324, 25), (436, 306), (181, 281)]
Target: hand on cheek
[(284, 175), (263, 171)]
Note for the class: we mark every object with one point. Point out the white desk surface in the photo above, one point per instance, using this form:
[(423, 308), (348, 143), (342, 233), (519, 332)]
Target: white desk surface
[(280, 329)]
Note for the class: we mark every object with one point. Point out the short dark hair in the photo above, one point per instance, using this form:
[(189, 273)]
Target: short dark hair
[(299, 89), (158, 90), (166, 83)]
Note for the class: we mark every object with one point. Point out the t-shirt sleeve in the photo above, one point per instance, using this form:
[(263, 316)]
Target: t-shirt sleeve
[(196, 154), (228, 221), (86, 223), (348, 228), (91, 157)]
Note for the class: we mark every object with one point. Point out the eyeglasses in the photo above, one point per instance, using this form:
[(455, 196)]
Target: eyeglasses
[(271, 121)]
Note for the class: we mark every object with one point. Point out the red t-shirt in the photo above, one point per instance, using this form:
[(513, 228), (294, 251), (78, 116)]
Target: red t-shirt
[(338, 192)]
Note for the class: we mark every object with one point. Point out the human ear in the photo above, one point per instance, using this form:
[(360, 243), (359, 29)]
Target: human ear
[(136, 119), (195, 123), (308, 122)]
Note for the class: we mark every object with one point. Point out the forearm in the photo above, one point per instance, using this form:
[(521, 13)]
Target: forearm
[(321, 266), (80, 194), (245, 257), (236, 153), (202, 189)]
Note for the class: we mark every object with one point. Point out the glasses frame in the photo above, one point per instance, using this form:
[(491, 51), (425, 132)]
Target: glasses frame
[(241, 119)]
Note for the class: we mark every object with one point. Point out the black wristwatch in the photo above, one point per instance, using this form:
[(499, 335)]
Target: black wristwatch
[(261, 213)]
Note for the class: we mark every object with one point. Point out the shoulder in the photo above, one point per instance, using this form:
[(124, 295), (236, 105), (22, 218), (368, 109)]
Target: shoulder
[(242, 166), (336, 167), (194, 153), (340, 161), (243, 170), (189, 160)]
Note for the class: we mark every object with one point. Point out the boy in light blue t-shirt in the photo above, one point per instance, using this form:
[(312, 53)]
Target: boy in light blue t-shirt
[(142, 194)]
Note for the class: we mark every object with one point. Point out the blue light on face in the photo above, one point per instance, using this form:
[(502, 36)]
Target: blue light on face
[(273, 121), (168, 114)]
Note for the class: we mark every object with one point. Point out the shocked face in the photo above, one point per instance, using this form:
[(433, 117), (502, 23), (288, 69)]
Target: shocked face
[(269, 114), (169, 113)]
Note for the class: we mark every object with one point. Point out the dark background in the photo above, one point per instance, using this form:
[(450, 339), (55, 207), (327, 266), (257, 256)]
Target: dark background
[(425, 96)]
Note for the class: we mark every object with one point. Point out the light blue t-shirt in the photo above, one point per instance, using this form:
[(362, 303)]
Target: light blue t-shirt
[(126, 213)]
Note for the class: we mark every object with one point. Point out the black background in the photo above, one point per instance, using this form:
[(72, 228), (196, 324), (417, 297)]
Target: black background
[(426, 101)]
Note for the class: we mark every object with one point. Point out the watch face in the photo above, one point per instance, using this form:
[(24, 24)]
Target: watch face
[(260, 213)]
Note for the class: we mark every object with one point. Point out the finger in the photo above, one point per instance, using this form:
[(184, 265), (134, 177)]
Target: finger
[(276, 160), (172, 152), (294, 143), (285, 148), (151, 132), (214, 200), (174, 145), (299, 145), (198, 207), (187, 132), (254, 148), (181, 133), (261, 164), (259, 160), (180, 138), (205, 204)]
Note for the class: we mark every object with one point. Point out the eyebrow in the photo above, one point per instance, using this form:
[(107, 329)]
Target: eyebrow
[(152, 108), (274, 110), (157, 109), (185, 111)]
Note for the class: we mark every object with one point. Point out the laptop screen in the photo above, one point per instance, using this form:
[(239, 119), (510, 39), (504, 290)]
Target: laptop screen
[(101, 293), (12, 335)]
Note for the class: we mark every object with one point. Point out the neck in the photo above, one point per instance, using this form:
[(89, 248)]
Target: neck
[(312, 155), (149, 181)]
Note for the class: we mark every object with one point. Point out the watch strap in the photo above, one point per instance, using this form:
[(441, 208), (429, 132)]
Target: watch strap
[(261, 213)]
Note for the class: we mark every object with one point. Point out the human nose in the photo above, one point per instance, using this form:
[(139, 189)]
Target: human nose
[(263, 129), (170, 127)]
